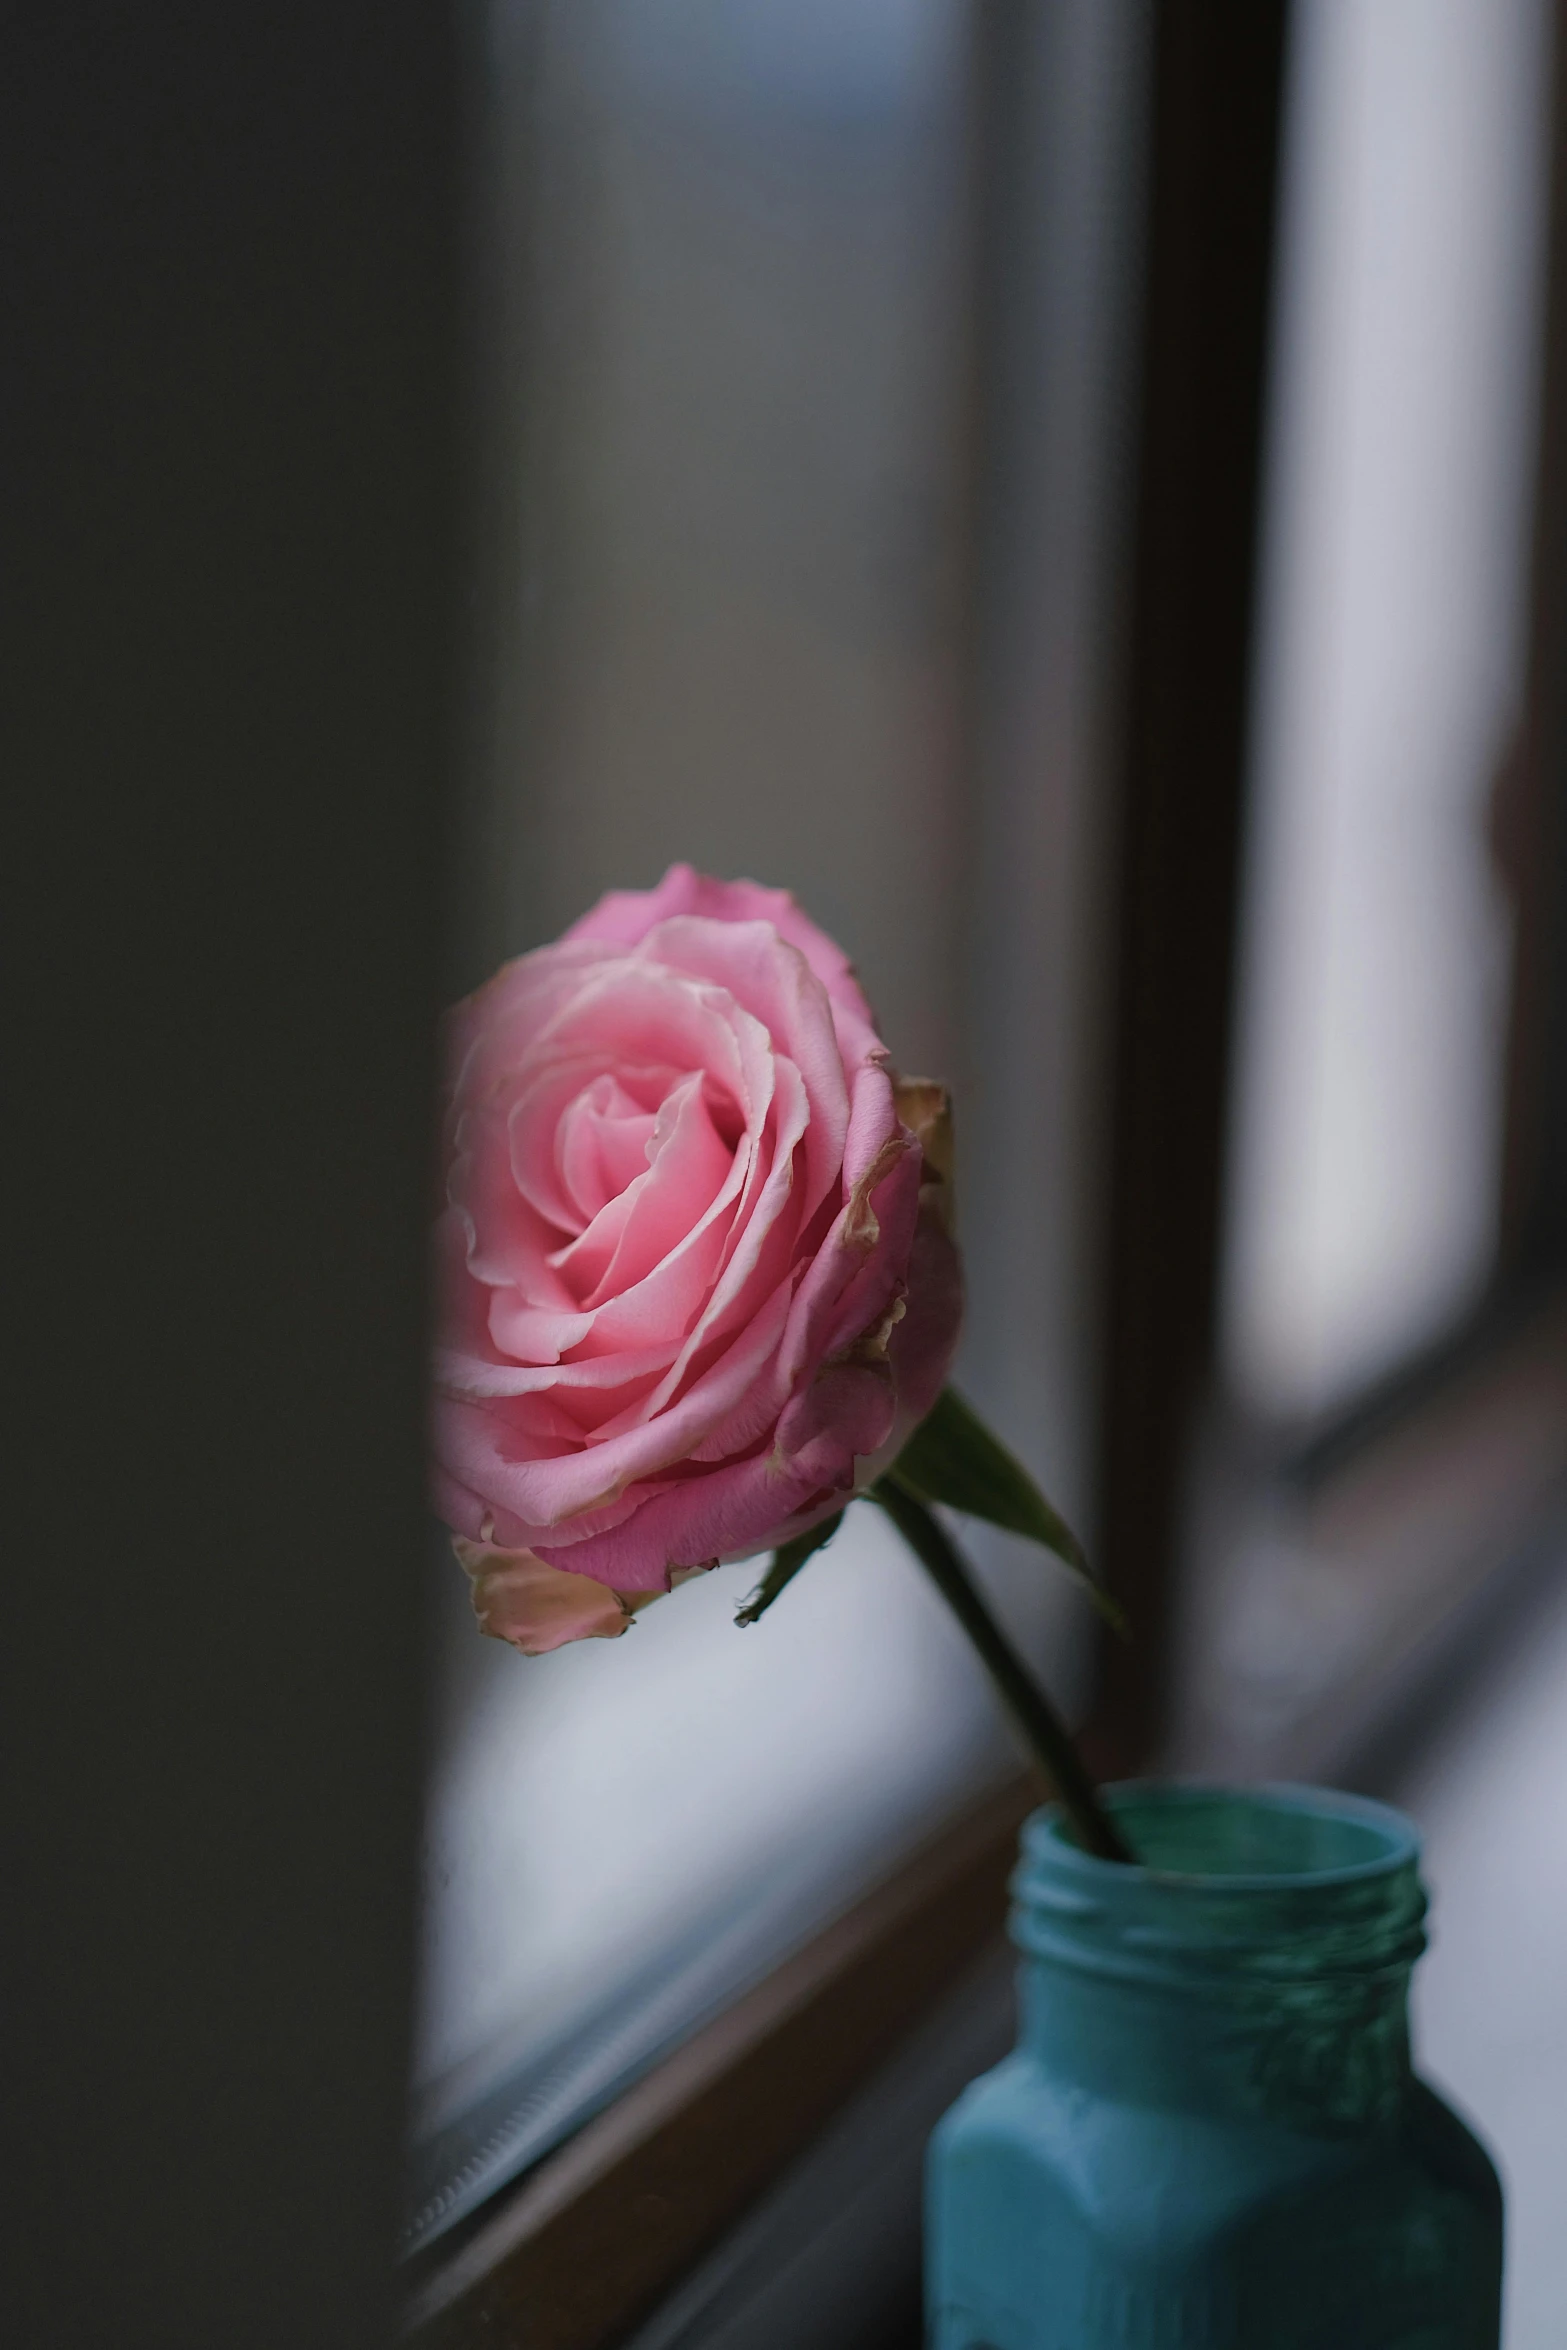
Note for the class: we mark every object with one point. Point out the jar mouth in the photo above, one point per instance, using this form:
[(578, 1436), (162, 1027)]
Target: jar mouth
[(1260, 1839), (1236, 1886)]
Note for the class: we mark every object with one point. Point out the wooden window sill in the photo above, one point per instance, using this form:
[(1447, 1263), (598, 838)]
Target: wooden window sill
[(591, 2238)]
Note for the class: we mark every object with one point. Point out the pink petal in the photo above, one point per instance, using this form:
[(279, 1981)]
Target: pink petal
[(731, 1512), (489, 1446), (487, 1033), (859, 1269), (922, 1346), (481, 1377), (509, 1241), (684, 1167), (762, 1236), (777, 984), (601, 1145), (534, 1334), (625, 916), (517, 1597), (853, 1404)]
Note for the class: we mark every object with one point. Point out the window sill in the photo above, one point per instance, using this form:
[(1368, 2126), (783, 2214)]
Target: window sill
[(587, 2243)]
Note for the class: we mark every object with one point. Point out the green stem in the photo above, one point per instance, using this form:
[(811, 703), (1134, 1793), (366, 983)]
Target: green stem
[(1032, 1710)]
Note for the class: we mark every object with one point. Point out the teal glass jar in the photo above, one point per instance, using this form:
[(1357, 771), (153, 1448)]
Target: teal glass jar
[(1209, 2136)]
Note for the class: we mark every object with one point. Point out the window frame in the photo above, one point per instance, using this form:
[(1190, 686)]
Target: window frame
[(581, 2247)]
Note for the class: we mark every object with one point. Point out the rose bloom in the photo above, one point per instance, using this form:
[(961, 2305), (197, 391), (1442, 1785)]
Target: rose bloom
[(697, 1283)]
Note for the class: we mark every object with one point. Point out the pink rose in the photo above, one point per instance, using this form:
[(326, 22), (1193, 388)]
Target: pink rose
[(697, 1284)]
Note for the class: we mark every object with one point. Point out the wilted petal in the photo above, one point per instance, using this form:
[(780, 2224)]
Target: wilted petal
[(517, 1598)]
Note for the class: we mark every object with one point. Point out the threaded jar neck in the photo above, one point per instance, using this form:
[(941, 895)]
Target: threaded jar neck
[(1258, 1959)]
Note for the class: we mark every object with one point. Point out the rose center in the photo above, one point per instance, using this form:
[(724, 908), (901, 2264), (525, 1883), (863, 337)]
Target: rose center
[(602, 1142), (642, 1181)]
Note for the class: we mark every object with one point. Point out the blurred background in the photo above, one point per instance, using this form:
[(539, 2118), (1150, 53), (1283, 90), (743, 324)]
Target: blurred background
[(1075, 492), (1075, 489)]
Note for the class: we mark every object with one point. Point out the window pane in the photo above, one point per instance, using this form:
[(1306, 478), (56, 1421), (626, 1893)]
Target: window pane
[(1375, 967), (738, 637)]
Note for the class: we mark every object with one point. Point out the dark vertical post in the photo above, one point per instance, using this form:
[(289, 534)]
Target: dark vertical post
[(1216, 103), (231, 261), (1530, 803)]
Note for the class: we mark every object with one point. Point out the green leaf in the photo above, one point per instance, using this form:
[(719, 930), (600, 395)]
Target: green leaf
[(953, 1458), (786, 1564)]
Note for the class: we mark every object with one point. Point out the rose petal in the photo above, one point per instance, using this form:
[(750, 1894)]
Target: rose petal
[(731, 1512), (601, 1145), (776, 983), (625, 916), (517, 1597), (684, 1168), (491, 1449)]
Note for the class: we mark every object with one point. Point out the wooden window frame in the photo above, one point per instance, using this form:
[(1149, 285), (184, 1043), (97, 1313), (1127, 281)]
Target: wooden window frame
[(595, 2234)]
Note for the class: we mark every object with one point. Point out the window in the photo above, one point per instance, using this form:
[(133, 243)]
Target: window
[(939, 483), (1368, 1150), (1392, 1407), (741, 438)]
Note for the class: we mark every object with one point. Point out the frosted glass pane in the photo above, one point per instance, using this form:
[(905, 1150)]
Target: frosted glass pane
[(1374, 972), (598, 1809)]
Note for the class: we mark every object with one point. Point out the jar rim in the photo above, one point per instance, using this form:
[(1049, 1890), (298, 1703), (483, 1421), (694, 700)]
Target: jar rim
[(1046, 1838)]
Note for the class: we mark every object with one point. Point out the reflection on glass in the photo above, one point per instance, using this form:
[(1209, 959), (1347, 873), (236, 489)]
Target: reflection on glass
[(1366, 1152)]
